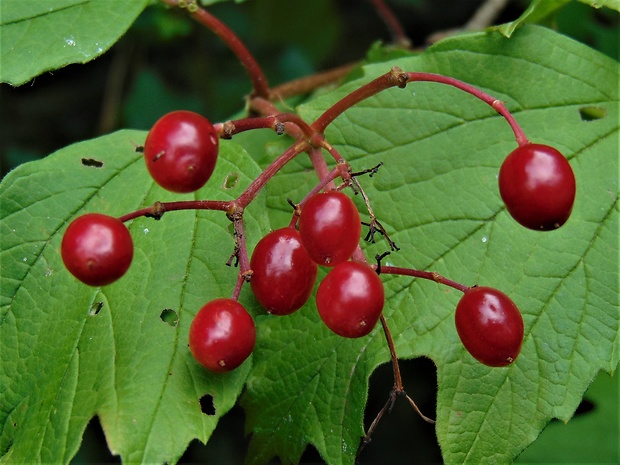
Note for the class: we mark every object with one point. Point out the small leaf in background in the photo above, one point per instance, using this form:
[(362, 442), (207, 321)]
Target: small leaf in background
[(42, 36), (71, 352), (540, 10)]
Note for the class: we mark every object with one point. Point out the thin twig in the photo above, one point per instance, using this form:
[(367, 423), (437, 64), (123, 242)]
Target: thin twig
[(374, 225), (399, 36), (397, 390)]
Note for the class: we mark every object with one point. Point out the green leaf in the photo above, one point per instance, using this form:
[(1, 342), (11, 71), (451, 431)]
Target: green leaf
[(437, 196), (599, 423), (70, 352), (539, 10), (43, 35)]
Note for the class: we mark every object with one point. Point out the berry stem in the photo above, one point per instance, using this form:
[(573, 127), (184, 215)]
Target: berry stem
[(397, 77), (496, 104), (254, 188), (322, 170), (398, 382), (397, 389), (259, 81), (241, 253), (430, 275), (326, 183), (158, 209), (276, 122)]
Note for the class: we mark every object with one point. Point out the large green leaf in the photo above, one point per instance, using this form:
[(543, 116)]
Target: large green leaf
[(437, 196), (70, 352), (42, 35)]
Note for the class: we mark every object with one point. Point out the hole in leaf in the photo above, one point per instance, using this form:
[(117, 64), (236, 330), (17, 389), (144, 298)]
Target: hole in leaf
[(592, 113), (206, 404), (169, 316), (231, 180), (92, 162), (95, 308)]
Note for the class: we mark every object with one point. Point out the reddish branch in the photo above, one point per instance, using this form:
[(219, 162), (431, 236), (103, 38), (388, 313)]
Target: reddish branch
[(397, 77), (396, 29), (310, 138), (259, 81), (430, 275)]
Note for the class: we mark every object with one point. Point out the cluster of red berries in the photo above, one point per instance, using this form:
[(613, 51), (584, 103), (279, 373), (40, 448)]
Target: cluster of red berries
[(535, 181)]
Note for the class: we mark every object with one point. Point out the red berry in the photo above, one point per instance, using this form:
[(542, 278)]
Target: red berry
[(330, 228), (350, 299), (97, 249), (181, 151), (283, 274), (537, 185), (490, 326), (222, 335)]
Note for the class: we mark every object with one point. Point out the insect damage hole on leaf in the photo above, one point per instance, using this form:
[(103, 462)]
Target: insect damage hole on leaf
[(230, 181), (95, 308), (206, 405), (91, 162), (169, 317)]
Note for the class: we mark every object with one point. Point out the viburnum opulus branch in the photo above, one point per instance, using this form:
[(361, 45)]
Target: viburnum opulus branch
[(277, 122), (180, 153), (398, 78)]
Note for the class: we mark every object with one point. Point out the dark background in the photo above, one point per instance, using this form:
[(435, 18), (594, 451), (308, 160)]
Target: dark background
[(167, 62)]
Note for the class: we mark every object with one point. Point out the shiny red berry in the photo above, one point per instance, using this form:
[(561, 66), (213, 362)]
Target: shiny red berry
[(181, 151), (97, 249), (330, 228), (490, 326), (537, 186), (283, 274), (222, 335), (350, 299)]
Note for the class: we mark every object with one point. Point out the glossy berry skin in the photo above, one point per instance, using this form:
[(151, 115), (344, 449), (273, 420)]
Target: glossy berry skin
[(490, 326), (181, 151), (222, 335), (283, 274), (537, 185), (350, 299), (97, 249), (330, 228)]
